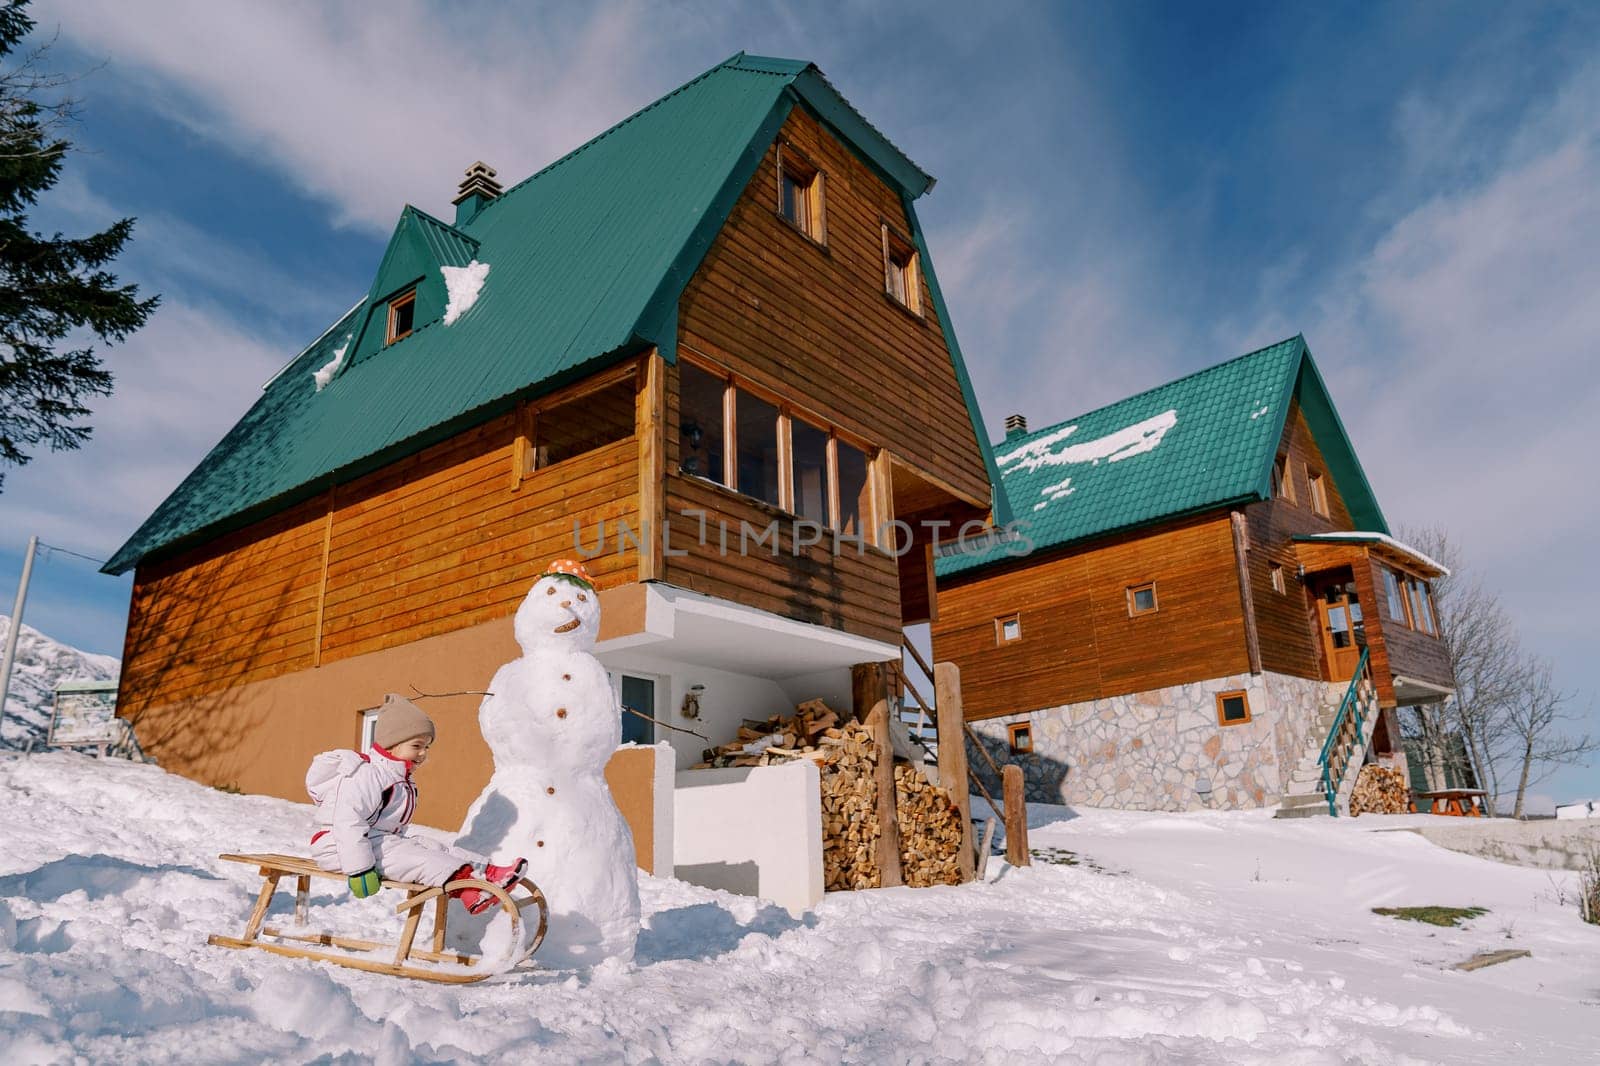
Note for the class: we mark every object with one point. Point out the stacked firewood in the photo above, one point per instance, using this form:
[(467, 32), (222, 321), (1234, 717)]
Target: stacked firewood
[(1380, 790), (930, 830), (847, 757), (777, 740), (850, 828)]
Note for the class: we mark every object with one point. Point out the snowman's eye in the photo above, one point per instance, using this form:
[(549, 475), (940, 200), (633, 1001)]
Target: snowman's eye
[(583, 597), (551, 591)]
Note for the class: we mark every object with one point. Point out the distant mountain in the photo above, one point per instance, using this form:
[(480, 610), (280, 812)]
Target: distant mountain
[(40, 665)]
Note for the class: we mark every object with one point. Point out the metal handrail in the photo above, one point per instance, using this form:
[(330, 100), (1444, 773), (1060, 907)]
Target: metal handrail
[(1350, 705)]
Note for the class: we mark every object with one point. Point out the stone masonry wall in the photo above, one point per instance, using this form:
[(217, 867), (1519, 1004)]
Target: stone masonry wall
[(1157, 750)]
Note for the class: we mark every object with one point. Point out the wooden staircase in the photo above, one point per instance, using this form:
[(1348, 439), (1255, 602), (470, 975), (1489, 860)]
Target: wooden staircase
[(1321, 781)]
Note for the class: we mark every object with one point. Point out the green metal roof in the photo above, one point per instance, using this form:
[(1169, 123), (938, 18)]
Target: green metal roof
[(587, 259), (1191, 445)]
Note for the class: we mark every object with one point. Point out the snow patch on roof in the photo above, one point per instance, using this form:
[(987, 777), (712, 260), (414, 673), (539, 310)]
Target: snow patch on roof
[(1382, 538), (324, 373), (1125, 443), (1258, 412), (463, 285)]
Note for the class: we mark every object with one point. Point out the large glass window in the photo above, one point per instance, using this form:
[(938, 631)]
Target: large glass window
[(591, 421), (854, 503), (1393, 597), (701, 439), (811, 490), (756, 444), (1422, 607)]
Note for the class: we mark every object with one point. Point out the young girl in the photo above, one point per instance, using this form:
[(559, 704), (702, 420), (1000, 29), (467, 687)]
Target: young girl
[(364, 805)]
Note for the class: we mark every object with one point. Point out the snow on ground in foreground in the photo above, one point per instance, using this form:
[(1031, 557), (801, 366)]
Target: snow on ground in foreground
[(1205, 938)]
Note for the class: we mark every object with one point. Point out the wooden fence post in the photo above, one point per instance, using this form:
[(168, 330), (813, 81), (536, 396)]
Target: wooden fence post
[(1016, 816), (889, 875), (953, 755)]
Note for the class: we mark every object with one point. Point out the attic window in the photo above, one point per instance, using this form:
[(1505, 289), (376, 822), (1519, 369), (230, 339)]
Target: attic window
[(1318, 491), (1142, 599), (1282, 486), (1007, 628), (800, 193), (901, 274), (402, 316)]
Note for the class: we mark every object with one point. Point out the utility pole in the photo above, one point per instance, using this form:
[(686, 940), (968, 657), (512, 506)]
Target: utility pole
[(16, 623)]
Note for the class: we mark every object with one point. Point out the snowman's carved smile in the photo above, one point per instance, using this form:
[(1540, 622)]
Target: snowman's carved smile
[(568, 627)]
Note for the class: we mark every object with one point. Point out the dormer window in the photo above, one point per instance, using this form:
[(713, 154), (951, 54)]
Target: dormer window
[(901, 274), (402, 316), (800, 193)]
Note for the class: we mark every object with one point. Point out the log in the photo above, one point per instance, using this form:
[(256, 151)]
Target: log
[(888, 825), (1016, 817), (953, 757)]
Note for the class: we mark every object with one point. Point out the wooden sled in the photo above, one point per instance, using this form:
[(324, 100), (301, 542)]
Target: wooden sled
[(283, 942)]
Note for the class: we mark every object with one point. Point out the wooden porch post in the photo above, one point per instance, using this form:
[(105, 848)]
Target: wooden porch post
[(869, 688), (953, 755), (1016, 804), (650, 426)]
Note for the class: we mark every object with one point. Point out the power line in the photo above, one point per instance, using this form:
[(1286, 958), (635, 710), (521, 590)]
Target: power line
[(68, 551)]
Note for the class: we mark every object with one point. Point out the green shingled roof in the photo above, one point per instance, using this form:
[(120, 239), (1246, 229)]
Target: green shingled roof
[(587, 261), (1201, 442)]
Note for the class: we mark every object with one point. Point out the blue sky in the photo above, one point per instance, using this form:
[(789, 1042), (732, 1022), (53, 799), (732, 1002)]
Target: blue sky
[(1127, 192)]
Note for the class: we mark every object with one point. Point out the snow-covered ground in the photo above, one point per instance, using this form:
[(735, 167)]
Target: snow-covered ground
[(1201, 938)]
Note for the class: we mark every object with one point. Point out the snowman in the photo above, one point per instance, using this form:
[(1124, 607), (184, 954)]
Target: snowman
[(551, 723)]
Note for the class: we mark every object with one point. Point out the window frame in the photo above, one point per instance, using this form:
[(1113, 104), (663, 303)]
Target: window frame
[(366, 728), (1317, 490), (794, 162), (1401, 590), (1013, 730), (1280, 584), (1425, 620), (894, 244), (788, 413), (1243, 697), (1000, 638), (392, 306), (1282, 487), (1134, 610)]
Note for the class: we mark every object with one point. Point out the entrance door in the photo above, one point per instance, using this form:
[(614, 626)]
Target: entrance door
[(636, 696), (1343, 632)]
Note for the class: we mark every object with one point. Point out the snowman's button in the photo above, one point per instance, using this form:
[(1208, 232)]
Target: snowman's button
[(561, 712), (566, 677), (540, 843), (551, 791)]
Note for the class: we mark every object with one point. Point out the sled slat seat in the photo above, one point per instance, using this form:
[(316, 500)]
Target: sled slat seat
[(273, 868)]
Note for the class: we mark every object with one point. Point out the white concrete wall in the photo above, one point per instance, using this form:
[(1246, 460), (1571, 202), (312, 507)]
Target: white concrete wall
[(728, 699), (755, 831)]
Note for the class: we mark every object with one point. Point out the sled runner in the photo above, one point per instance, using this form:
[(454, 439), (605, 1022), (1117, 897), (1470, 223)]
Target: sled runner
[(286, 942)]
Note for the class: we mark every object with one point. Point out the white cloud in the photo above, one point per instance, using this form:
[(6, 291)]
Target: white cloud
[(367, 109)]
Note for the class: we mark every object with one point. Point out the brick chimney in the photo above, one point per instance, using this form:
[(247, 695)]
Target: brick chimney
[(1016, 426), (477, 189)]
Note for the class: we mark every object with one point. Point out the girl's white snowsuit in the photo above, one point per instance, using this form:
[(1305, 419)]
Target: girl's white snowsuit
[(364, 806)]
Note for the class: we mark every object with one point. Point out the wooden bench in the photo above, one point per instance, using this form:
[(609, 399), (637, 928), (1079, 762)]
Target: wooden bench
[(1456, 802), (274, 868)]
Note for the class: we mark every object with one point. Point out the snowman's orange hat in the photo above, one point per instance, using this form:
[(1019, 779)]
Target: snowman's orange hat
[(569, 570)]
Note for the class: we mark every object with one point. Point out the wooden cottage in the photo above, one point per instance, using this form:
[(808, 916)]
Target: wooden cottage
[(1199, 590), (705, 351)]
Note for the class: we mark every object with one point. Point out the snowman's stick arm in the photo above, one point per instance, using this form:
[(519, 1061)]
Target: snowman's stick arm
[(666, 725), (421, 695)]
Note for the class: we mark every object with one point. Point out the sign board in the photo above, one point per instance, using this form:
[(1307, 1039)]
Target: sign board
[(86, 713)]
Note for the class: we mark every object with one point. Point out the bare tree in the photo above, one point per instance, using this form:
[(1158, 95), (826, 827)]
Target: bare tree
[(1487, 660), (1536, 716)]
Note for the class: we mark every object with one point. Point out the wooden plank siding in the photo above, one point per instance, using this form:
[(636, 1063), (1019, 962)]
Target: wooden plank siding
[(1079, 641), (1286, 622), (858, 592), (434, 542), (812, 323)]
